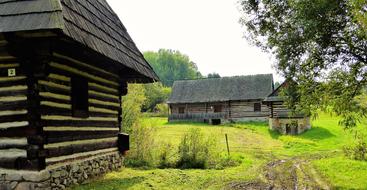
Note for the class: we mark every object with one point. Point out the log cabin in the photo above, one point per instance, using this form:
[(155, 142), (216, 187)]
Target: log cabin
[(281, 118), (64, 65), (221, 100)]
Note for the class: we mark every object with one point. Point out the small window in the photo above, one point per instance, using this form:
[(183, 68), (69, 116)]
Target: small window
[(217, 108), (257, 107), (79, 97), (181, 110)]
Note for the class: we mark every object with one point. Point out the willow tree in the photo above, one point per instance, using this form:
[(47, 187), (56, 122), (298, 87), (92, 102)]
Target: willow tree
[(320, 45)]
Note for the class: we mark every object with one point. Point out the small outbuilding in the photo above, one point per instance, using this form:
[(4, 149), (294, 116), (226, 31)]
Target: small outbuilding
[(219, 100), (64, 65), (281, 119)]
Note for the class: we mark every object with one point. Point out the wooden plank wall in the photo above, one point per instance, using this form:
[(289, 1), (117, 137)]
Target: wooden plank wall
[(199, 107), (245, 109), (234, 109), (68, 136), (14, 125), (279, 110)]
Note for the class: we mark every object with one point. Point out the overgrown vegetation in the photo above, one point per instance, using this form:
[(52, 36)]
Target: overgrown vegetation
[(155, 94), (131, 107), (320, 151), (196, 151)]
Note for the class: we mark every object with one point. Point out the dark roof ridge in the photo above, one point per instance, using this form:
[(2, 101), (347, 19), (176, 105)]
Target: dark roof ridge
[(222, 77)]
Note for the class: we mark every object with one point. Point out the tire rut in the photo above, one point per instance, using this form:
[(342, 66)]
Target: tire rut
[(287, 174)]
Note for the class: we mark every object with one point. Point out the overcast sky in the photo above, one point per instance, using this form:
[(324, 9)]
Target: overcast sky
[(206, 30)]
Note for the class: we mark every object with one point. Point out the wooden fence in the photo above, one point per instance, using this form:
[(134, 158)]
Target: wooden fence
[(197, 116)]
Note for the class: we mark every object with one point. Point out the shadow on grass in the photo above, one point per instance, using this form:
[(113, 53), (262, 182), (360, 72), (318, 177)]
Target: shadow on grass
[(112, 184), (315, 133)]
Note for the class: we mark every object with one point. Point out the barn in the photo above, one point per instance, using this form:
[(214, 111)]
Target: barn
[(281, 119), (64, 65), (220, 100)]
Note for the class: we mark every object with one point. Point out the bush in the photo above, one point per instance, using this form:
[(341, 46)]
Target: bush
[(142, 141), (166, 158), (161, 110), (131, 107), (357, 150), (195, 151)]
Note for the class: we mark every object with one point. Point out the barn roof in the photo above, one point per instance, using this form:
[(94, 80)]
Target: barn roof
[(90, 22), (222, 89)]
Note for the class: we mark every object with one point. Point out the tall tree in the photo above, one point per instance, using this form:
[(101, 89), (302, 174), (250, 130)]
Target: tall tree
[(321, 45), (171, 65), (213, 75)]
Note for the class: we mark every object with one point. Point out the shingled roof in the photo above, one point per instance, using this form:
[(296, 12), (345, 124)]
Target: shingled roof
[(90, 22), (222, 89)]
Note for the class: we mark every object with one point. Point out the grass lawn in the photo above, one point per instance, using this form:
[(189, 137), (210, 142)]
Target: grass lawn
[(320, 148)]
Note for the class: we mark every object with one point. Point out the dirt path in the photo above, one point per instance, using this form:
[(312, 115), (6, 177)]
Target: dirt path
[(288, 174)]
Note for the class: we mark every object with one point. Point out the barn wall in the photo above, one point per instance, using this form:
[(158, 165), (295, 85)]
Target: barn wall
[(233, 110), (244, 110), (14, 125), (68, 137), (278, 109), (199, 107)]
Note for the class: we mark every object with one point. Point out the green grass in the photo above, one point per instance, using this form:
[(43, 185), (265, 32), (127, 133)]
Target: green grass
[(256, 145), (343, 173)]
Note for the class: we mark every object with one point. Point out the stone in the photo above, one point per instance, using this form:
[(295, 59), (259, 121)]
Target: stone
[(13, 176), (57, 181), (56, 174), (74, 168), (24, 186), (37, 176), (13, 184)]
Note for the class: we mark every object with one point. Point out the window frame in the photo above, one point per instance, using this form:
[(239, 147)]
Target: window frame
[(257, 107), (79, 97), (181, 110)]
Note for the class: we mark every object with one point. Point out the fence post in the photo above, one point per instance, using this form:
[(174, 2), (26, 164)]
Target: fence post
[(227, 143)]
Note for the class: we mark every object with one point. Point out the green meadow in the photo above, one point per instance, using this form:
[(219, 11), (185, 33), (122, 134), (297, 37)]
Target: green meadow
[(314, 159)]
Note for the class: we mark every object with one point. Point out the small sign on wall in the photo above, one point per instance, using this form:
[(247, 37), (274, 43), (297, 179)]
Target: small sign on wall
[(12, 73)]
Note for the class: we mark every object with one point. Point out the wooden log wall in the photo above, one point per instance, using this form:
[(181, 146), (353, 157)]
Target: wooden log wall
[(245, 109), (14, 125), (66, 135), (278, 109), (199, 107)]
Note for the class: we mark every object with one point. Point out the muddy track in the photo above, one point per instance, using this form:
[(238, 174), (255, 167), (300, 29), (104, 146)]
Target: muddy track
[(288, 174)]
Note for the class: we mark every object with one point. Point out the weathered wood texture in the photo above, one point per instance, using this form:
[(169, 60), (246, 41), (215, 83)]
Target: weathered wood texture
[(14, 125), (228, 110), (67, 135)]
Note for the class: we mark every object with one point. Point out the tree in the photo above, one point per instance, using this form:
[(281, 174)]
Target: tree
[(171, 65), (213, 75), (155, 93), (320, 45)]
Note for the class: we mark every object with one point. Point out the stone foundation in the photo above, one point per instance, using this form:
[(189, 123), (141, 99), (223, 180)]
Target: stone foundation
[(60, 176), (291, 126)]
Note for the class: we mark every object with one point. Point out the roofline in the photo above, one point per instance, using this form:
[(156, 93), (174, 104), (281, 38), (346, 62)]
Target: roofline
[(221, 77), (213, 101)]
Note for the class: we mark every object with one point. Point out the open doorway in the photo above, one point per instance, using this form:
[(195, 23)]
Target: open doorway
[(216, 121), (288, 129)]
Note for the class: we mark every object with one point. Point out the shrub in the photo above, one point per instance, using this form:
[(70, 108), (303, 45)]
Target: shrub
[(166, 157), (161, 110), (142, 146), (195, 151), (357, 150), (131, 107)]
